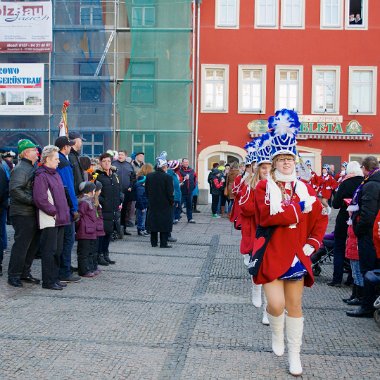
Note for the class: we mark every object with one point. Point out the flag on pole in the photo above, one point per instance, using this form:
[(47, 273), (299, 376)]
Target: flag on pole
[(63, 126)]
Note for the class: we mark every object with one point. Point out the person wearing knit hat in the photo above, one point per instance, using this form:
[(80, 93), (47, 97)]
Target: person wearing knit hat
[(173, 167), (159, 190), (294, 228), (141, 205), (23, 216), (86, 233)]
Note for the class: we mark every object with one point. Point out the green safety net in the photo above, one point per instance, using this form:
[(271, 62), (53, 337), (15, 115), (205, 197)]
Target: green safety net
[(154, 99)]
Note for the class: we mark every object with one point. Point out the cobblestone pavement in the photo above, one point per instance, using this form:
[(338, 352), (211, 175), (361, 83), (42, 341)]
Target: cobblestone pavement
[(181, 313)]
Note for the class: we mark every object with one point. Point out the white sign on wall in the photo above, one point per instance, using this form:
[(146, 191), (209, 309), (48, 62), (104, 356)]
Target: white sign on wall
[(26, 27), (21, 89)]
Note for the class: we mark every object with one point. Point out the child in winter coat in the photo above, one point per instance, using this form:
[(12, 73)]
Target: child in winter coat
[(99, 229), (86, 230), (141, 205)]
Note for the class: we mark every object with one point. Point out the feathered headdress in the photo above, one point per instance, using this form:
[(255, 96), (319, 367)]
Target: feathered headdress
[(264, 149), (251, 148), (161, 159), (283, 128)]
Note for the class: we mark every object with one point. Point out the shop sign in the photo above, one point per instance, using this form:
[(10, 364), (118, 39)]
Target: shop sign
[(21, 88), (26, 27)]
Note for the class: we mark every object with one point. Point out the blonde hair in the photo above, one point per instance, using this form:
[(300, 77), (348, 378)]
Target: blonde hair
[(145, 169), (47, 152)]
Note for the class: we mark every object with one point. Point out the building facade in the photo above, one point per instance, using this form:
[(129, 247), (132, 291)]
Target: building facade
[(318, 57), (125, 66)]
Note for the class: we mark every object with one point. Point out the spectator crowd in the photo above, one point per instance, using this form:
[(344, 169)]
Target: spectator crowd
[(55, 196)]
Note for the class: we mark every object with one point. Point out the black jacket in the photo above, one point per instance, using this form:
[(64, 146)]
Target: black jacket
[(77, 169), (346, 190), (4, 189), (369, 205), (21, 189), (110, 199), (159, 189)]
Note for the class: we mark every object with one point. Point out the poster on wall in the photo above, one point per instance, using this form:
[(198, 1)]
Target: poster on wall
[(21, 89), (26, 27)]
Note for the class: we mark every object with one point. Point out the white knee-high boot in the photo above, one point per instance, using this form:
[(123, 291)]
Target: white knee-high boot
[(294, 331), (277, 328), (256, 295), (265, 320)]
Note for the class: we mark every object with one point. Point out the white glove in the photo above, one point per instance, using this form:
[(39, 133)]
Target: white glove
[(308, 249)]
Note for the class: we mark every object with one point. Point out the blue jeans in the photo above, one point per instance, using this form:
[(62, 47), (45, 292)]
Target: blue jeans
[(140, 219), (68, 243), (3, 228), (177, 209), (356, 274), (187, 200)]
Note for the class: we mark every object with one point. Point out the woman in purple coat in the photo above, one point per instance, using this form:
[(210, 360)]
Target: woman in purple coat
[(53, 214)]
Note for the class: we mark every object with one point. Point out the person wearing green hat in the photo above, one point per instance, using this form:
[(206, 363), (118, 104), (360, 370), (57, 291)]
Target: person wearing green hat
[(23, 216)]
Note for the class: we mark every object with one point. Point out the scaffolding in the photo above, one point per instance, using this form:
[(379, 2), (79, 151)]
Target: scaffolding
[(125, 66)]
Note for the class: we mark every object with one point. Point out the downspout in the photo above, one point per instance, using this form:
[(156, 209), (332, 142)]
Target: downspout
[(193, 142), (197, 84)]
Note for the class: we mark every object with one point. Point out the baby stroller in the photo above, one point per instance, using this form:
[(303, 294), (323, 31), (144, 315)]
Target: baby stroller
[(326, 253)]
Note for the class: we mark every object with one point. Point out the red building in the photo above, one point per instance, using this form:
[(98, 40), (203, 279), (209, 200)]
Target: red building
[(319, 57)]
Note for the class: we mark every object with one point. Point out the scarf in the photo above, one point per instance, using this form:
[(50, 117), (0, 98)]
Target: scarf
[(273, 195), (354, 205)]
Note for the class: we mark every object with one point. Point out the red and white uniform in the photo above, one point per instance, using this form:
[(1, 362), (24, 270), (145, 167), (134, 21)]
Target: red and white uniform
[(287, 242), (314, 181), (327, 185), (247, 218)]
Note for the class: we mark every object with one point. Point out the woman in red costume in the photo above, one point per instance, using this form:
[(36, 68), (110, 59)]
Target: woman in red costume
[(290, 206), (327, 186)]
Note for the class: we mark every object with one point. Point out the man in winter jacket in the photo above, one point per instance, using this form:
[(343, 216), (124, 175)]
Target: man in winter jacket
[(4, 197), (188, 180), (127, 177), (74, 159), (66, 173), (23, 216), (368, 205)]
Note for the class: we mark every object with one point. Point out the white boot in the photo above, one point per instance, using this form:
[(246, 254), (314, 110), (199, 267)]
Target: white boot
[(256, 295), (277, 328), (265, 320), (246, 259), (294, 331)]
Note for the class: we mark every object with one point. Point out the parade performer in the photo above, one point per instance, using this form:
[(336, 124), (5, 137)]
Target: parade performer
[(340, 176), (263, 167), (314, 181), (327, 186), (288, 208)]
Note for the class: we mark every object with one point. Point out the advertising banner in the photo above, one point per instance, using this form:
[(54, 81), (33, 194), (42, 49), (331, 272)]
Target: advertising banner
[(26, 27), (21, 89)]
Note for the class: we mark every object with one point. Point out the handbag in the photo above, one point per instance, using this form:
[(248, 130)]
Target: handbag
[(262, 238)]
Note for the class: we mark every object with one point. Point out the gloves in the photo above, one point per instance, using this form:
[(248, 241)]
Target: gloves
[(308, 249), (302, 205), (76, 216)]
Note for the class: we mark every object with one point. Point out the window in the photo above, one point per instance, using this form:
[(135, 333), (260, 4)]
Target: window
[(227, 13), (94, 146), (89, 91), (356, 14), (143, 91), (326, 85), (331, 14), (90, 14), (252, 81), (144, 142), (266, 14), (215, 88), (143, 13), (293, 13), (289, 82), (362, 90)]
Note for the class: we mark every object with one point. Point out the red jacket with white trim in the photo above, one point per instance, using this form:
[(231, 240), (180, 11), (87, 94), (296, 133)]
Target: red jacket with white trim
[(287, 242)]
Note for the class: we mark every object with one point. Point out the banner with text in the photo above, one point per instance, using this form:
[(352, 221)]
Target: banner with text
[(21, 89), (26, 27)]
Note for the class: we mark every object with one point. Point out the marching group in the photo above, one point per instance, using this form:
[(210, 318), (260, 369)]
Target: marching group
[(283, 218), (54, 196)]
